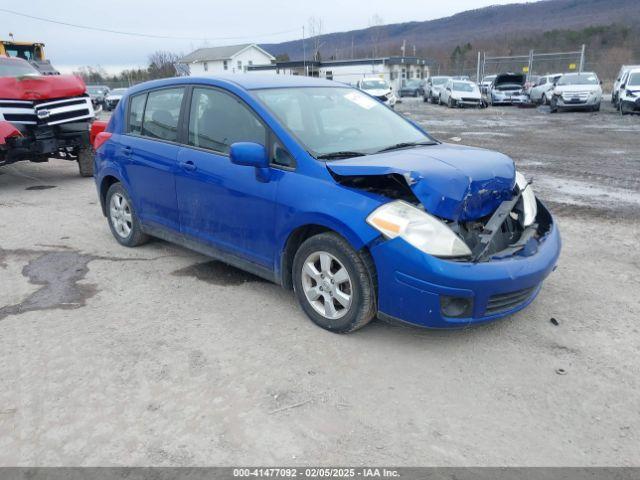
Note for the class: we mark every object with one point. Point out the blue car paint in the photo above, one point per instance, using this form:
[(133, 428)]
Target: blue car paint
[(451, 181), (225, 206)]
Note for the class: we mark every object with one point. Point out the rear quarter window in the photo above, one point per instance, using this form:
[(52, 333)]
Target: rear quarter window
[(136, 110)]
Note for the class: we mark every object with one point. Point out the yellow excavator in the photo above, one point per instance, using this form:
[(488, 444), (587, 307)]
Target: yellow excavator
[(32, 52)]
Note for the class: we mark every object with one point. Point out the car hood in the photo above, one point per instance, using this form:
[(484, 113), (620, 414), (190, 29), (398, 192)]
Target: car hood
[(512, 78), (451, 181), (576, 88), (41, 87), (378, 92), (474, 94)]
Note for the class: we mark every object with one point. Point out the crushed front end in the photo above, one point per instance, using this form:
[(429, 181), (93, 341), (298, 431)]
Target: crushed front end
[(501, 242)]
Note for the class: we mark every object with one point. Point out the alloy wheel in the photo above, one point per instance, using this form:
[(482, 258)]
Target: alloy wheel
[(120, 215), (327, 285)]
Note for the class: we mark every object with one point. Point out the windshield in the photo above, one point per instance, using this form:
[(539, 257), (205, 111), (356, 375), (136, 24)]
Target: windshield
[(328, 120), (412, 83), (118, 91), (489, 79), (95, 89), (634, 79), (439, 80), (579, 79), (374, 85), (462, 87), (16, 68)]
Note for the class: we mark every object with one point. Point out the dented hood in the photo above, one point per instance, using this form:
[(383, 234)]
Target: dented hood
[(41, 87), (451, 181)]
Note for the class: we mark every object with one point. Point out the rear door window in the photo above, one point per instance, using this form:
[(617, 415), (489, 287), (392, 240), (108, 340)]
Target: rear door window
[(162, 113)]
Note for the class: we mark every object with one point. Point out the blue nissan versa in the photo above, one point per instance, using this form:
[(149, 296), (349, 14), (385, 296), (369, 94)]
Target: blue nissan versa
[(319, 187)]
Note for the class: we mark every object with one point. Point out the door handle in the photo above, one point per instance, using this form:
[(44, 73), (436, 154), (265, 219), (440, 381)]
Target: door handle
[(126, 151), (189, 166)]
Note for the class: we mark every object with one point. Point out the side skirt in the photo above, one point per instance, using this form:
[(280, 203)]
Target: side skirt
[(210, 251)]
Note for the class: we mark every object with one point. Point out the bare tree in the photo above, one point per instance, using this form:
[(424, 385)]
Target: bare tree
[(162, 64), (315, 32)]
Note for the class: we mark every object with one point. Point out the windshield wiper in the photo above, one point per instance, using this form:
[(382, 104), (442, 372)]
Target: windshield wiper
[(343, 154), (398, 146)]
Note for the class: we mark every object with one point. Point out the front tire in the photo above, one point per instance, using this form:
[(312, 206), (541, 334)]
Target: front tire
[(123, 221), (334, 284), (554, 105)]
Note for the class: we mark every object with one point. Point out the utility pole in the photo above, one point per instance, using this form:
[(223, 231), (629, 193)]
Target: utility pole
[(404, 46), (414, 50), (478, 69), (304, 54), (530, 65), (353, 55), (582, 52)]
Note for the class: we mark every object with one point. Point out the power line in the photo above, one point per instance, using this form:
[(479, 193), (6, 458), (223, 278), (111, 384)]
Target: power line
[(134, 34)]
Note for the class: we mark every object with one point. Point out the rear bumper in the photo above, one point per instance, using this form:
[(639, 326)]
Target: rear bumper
[(411, 284)]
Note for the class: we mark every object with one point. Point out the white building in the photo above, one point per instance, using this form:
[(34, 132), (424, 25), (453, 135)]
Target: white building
[(393, 69), (228, 59)]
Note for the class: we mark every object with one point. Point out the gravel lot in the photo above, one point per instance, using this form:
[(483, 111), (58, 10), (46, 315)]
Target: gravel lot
[(159, 356)]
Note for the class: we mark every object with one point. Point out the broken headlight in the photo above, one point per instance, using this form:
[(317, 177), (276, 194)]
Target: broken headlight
[(529, 204), (423, 231)]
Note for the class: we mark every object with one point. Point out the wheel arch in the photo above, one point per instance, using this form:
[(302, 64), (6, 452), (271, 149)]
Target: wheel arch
[(105, 184), (305, 231)]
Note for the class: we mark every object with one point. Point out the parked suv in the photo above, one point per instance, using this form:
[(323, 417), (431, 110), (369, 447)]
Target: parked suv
[(579, 91), (620, 79), (319, 187), (539, 93), (629, 93), (433, 87)]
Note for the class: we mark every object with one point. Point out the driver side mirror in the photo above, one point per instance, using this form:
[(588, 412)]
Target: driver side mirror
[(251, 155)]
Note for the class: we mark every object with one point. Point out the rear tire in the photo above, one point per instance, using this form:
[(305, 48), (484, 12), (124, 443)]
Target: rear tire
[(85, 162), (554, 105), (544, 100), (123, 220), (334, 284)]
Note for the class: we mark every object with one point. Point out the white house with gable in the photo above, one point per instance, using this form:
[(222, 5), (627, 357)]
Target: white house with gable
[(227, 59)]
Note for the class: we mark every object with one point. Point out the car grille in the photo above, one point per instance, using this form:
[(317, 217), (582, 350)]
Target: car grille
[(466, 99), (575, 96), (502, 302), (382, 98), (46, 112)]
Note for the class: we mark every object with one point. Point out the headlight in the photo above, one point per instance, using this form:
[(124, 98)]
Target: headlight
[(423, 231), (528, 200)]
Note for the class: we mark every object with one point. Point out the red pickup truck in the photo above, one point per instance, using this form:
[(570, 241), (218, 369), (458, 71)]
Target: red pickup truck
[(43, 116)]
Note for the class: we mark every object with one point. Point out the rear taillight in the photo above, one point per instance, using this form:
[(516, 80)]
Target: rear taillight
[(100, 139)]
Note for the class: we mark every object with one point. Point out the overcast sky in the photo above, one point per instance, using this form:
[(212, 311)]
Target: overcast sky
[(220, 23)]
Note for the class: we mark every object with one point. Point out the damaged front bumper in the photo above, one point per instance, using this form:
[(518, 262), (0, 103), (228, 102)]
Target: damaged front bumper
[(427, 291)]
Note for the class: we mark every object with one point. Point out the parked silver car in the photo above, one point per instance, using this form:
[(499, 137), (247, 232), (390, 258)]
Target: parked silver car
[(508, 89), (539, 93)]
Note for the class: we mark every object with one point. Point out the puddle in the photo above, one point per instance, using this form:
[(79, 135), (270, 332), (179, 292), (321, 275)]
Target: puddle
[(58, 274), (41, 187), (217, 273)]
